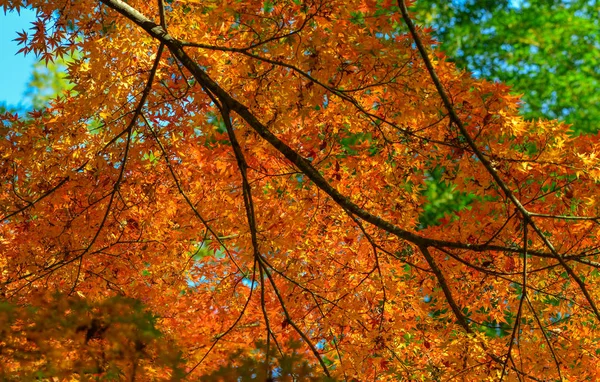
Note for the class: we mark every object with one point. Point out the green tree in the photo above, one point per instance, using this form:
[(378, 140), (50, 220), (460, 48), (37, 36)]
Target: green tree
[(48, 80), (548, 50)]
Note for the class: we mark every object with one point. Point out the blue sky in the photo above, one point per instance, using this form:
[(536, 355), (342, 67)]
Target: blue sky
[(15, 69)]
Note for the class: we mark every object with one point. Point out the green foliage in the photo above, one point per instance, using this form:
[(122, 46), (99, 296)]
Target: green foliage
[(548, 50), (48, 80), (443, 201)]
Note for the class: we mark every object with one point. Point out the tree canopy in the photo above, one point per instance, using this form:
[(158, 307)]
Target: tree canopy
[(240, 188)]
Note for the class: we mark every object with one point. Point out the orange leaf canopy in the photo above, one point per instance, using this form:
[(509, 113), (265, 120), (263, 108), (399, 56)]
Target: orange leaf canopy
[(255, 172)]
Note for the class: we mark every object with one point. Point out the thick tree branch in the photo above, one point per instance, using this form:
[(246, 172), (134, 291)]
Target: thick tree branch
[(303, 164)]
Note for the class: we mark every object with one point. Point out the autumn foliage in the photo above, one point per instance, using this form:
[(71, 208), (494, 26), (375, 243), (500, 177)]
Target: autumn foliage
[(248, 178)]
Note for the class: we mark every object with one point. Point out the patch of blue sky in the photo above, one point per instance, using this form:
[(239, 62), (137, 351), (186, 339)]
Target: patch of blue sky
[(15, 68)]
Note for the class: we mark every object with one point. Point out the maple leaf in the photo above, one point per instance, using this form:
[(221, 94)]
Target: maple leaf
[(22, 39)]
